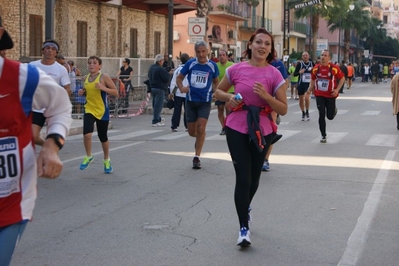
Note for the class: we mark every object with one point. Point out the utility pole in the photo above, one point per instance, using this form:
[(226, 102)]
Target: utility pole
[(339, 39), (170, 33), (263, 14), (49, 27), (284, 25)]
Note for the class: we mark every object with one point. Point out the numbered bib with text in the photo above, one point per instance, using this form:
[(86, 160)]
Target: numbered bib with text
[(199, 79), (9, 166), (322, 84), (306, 77)]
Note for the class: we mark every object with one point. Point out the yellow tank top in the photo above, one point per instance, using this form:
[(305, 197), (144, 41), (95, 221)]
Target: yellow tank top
[(96, 100)]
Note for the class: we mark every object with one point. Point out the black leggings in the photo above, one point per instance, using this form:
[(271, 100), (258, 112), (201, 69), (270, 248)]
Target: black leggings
[(324, 104), (102, 126), (248, 162)]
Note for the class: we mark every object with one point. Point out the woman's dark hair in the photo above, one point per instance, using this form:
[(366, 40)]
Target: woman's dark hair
[(248, 52), (100, 62)]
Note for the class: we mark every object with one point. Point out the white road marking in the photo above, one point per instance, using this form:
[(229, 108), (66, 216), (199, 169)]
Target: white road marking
[(358, 237), (382, 140), (332, 137), (101, 152), (216, 137), (371, 113), (287, 133), (80, 136), (174, 135), (342, 112), (133, 134)]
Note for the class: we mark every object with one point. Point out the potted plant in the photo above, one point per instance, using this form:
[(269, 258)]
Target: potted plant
[(220, 7)]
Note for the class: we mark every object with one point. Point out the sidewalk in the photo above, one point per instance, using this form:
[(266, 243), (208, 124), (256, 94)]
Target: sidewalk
[(134, 109), (76, 128)]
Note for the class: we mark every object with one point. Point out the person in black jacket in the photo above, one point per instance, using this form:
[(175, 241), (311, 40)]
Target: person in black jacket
[(159, 81), (344, 70), (375, 69)]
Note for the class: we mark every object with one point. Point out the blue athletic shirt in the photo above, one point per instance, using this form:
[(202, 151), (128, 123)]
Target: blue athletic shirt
[(200, 77), (277, 63)]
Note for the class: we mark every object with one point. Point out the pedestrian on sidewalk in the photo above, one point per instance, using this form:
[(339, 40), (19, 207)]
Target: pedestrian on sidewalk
[(351, 75), (203, 80), (250, 127), (96, 87), (395, 98), (327, 80), (178, 97), (344, 70), (159, 81), (125, 75), (24, 87)]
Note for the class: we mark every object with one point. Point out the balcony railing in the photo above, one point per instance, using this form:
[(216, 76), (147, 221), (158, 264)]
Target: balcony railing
[(231, 9), (255, 23), (297, 27)]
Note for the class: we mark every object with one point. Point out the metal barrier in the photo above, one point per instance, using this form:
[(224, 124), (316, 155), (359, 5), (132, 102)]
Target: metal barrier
[(131, 101)]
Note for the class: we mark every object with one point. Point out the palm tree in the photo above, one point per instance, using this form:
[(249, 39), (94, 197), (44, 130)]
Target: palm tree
[(373, 33), (202, 11), (356, 19), (315, 12)]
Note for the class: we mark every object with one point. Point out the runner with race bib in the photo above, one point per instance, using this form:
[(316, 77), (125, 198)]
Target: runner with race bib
[(327, 80)]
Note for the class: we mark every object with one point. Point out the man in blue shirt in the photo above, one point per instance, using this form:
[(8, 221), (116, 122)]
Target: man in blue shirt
[(203, 81)]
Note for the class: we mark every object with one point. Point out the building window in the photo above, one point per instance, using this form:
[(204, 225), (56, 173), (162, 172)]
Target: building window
[(35, 35), (81, 39), (133, 43), (157, 42)]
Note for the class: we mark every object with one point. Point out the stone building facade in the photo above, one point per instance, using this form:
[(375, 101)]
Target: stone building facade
[(107, 30)]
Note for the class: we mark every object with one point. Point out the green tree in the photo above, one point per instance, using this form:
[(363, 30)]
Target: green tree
[(349, 21), (374, 34), (389, 48), (326, 9)]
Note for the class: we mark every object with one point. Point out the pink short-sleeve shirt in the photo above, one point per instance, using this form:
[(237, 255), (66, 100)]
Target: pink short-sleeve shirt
[(243, 77)]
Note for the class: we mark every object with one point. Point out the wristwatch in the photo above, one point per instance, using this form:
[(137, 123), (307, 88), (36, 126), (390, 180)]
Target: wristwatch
[(58, 139)]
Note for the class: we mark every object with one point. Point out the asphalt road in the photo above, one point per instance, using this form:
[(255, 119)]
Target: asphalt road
[(321, 204)]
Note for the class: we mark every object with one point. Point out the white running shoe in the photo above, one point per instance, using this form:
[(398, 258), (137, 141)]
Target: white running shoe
[(243, 238), (159, 124)]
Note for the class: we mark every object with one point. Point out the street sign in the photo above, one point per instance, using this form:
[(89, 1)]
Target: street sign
[(322, 44), (285, 58), (366, 53), (194, 39), (196, 27), (370, 56), (307, 3)]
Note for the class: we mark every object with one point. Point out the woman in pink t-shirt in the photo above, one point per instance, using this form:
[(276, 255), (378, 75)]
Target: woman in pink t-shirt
[(263, 90)]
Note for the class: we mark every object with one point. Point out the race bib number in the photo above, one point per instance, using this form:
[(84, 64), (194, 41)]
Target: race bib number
[(199, 79), (306, 77), (322, 84), (9, 166)]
